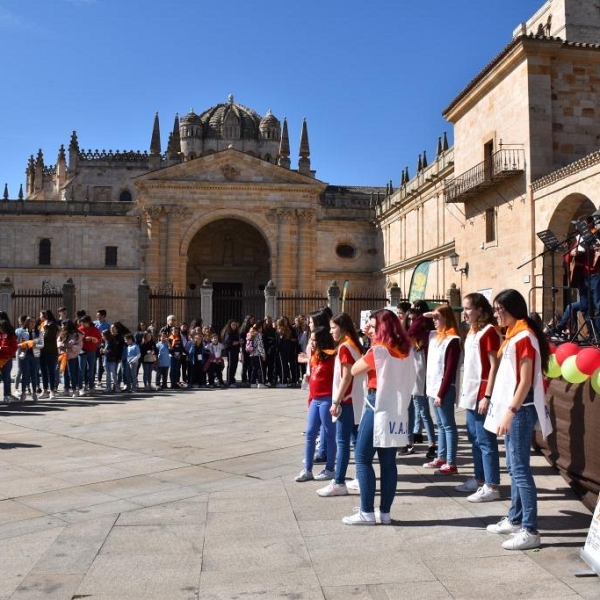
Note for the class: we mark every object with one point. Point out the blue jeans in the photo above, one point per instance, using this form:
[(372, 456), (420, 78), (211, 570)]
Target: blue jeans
[(111, 374), (343, 431), (87, 363), (447, 430), (73, 370), (523, 493), (147, 376), (130, 376), (318, 413), (421, 408), (29, 372), (363, 454), (48, 364), (484, 445), (6, 369)]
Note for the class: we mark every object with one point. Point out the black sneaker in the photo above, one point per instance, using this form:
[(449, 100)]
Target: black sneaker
[(431, 452), (319, 459), (418, 438)]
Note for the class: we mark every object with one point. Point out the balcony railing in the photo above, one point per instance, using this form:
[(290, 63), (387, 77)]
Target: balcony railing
[(500, 166)]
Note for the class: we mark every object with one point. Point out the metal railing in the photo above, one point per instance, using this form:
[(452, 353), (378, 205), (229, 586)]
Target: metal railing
[(499, 166)]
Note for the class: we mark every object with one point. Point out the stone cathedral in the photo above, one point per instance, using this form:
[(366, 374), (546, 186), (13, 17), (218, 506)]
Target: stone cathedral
[(222, 203)]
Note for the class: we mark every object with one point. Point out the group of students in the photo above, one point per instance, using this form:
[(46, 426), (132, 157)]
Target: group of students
[(376, 399)]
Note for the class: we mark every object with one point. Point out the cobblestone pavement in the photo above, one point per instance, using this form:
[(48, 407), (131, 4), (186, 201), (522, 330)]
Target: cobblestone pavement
[(191, 495)]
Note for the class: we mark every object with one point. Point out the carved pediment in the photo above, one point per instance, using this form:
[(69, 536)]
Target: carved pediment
[(228, 167)]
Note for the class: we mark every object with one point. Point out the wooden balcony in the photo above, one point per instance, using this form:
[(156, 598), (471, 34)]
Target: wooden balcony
[(501, 165)]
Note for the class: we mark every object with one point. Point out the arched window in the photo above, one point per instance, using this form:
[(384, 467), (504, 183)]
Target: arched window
[(45, 252), (125, 196)]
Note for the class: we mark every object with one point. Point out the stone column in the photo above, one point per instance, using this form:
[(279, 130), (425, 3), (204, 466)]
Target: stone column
[(143, 301), (333, 297), (155, 244), (271, 299), (453, 296), (394, 294), (172, 273), (286, 269), (68, 290), (304, 262), (6, 291), (206, 302)]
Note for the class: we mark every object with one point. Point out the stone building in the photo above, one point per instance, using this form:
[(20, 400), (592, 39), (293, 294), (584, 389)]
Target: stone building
[(525, 160), (221, 204)]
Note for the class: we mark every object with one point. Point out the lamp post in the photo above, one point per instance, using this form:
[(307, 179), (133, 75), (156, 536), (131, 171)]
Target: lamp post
[(454, 262)]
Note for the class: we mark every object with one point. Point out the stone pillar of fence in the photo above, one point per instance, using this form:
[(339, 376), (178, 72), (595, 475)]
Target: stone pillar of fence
[(143, 301), (394, 294), (6, 291), (453, 296), (68, 292), (206, 302), (271, 299), (333, 297)]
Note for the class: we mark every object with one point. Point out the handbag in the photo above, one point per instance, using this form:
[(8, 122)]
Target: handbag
[(149, 357)]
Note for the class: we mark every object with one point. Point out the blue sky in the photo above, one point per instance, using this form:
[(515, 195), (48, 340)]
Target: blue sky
[(371, 78)]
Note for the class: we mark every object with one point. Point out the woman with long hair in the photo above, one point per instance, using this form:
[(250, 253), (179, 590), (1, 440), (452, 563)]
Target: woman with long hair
[(390, 371), (230, 335), (443, 361), (480, 364), (70, 344), (516, 407), (320, 385), (347, 404), (49, 353), (8, 349)]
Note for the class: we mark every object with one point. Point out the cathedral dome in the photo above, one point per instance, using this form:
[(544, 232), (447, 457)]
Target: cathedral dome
[(230, 120)]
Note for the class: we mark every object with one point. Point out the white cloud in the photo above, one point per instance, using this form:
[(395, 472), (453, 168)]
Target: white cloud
[(10, 19)]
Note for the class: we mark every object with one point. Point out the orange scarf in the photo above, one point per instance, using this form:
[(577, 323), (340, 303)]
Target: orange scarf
[(518, 327), (314, 359), (443, 333), (348, 340)]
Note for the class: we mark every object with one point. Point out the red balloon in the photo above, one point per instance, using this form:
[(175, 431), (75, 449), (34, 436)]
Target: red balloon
[(564, 351), (588, 360), (552, 348)]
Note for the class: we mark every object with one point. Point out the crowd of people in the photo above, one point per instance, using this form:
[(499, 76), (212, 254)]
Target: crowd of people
[(381, 398), (55, 355), (376, 390)]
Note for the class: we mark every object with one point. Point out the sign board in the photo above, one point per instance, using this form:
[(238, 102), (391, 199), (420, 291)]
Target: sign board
[(591, 551)]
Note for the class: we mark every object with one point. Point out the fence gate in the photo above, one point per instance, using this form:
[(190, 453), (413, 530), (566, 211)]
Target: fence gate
[(231, 301), (164, 302), (32, 302)]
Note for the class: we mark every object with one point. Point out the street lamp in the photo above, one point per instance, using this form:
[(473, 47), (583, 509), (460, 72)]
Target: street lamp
[(454, 262)]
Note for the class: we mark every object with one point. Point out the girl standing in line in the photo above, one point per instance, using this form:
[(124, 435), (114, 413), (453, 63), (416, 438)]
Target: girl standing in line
[(390, 369), (320, 386), (443, 361), (347, 402), (481, 362), (516, 406)]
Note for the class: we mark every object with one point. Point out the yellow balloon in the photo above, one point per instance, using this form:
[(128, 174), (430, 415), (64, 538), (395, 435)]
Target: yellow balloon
[(553, 369), (595, 381), (570, 372)]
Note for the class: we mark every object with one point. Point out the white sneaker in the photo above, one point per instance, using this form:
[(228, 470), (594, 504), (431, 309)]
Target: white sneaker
[(324, 475), (82, 392), (52, 395), (305, 475), (522, 540), (353, 485), (383, 518), (261, 386), (360, 518), (333, 489), (471, 485), (505, 525), (485, 493), (44, 394)]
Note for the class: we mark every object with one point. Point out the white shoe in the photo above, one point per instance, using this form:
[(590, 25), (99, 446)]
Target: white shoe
[(485, 493), (305, 475), (333, 489), (44, 394), (52, 395), (353, 485), (324, 475), (383, 518), (471, 485), (82, 392), (360, 518), (261, 386), (505, 525), (522, 540)]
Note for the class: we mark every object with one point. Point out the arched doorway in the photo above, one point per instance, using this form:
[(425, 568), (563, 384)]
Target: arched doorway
[(234, 256)]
